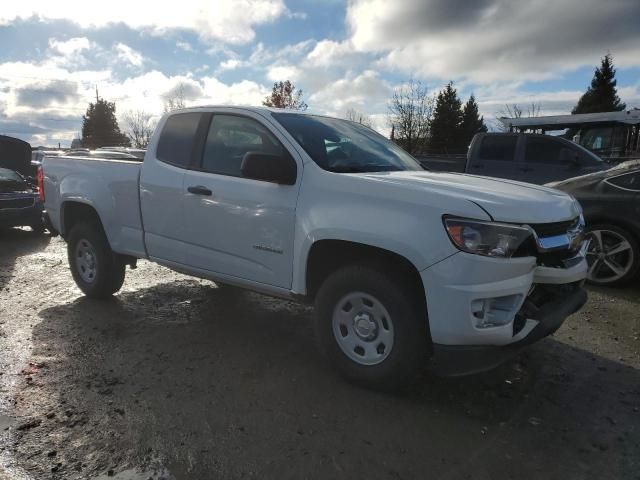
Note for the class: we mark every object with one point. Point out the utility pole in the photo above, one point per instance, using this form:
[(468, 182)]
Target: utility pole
[(96, 93)]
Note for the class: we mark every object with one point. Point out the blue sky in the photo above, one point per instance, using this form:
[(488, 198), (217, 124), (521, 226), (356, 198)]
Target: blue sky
[(343, 54)]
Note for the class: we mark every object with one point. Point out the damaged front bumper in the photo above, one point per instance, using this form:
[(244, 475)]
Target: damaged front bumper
[(482, 310), (552, 305)]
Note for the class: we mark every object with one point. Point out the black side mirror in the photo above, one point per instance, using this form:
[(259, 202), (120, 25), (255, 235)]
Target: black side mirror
[(268, 167)]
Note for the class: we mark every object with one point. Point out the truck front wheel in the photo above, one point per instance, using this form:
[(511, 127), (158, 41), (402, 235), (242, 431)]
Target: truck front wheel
[(372, 330), (96, 269)]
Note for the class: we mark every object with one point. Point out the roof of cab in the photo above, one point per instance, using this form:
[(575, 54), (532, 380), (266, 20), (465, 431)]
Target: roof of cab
[(247, 108)]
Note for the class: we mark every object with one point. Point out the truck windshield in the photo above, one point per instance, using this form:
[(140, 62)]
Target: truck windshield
[(343, 146)]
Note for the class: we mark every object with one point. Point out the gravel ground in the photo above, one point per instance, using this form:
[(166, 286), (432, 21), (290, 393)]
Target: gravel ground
[(176, 378)]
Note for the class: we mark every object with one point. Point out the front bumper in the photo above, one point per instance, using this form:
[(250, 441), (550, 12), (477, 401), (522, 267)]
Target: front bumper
[(452, 360), (482, 305)]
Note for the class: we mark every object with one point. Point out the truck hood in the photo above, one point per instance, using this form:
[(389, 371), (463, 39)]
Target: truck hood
[(504, 200)]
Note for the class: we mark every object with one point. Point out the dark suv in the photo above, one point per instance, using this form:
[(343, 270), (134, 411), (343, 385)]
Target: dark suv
[(529, 157)]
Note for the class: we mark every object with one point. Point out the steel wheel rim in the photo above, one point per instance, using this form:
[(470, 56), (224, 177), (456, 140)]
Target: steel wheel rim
[(86, 263), (363, 328), (610, 256)]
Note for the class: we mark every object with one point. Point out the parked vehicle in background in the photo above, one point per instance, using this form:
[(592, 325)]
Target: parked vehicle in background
[(530, 158), (402, 264), (613, 136), (15, 154), (20, 204), (611, 203)]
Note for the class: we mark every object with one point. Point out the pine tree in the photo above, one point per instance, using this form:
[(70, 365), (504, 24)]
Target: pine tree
[(100, 127), (602, 95), (445, 127), (472, 122), (285, 95)]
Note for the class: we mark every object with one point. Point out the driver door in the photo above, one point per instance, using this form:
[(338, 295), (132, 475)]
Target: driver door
[(239, 227)]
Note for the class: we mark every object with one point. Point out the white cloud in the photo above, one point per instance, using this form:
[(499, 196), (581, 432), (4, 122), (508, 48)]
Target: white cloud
[(366, 92), (71, 46), (283, 72), (330, 53), (489, 40), (231, 64), (186, 46), (71, 52), (229, 21), (44, 102), (128, 55)]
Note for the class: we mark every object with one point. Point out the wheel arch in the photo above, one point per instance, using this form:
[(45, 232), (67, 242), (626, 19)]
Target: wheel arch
[(328, 255), (626, 224), (74, 212)]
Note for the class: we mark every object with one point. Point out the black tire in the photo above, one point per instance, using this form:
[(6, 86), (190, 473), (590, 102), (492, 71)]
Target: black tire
[(408, 355), (634, 269), (109, 266)]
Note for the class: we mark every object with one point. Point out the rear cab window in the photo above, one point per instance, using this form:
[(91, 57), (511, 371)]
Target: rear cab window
[(543, 150), (176, 144), (498, 147)]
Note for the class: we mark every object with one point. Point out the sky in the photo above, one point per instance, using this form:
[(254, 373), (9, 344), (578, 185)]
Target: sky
[(342, 54)]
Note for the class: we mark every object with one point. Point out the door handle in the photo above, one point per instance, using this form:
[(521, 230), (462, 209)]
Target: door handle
[(477, 165), (526, 169), (199, 190)]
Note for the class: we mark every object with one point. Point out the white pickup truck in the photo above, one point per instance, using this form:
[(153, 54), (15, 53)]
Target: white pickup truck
[(405, 266)]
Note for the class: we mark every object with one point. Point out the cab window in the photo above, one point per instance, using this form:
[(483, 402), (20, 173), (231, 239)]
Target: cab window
[(229, 138), (543, 150), (498, 147), (177, 139)]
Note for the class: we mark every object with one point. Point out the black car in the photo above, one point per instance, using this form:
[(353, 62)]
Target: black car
[(611, 203), (19, 202)]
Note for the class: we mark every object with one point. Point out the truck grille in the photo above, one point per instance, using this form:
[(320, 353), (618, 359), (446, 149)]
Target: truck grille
[(556, 228), (16, 202)]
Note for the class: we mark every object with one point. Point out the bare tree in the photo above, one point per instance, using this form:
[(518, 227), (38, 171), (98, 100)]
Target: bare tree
[(175, 99), (515, 111), (138, 127), (410, 111), (358, 117)]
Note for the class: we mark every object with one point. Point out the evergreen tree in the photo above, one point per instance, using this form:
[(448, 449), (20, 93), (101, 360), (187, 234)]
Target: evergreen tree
[(445, 126), (100, 127), (472, 122), (285, 95), (602, 95)]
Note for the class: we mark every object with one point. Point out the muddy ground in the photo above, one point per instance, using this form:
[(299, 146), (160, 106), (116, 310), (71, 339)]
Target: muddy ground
[(175, 378)]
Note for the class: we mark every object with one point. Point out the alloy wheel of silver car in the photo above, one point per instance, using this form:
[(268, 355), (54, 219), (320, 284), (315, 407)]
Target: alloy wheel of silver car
[(610, 256), (86, 260), (363, 328)]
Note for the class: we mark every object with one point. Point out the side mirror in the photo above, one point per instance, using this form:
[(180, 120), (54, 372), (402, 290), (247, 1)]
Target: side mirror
[(268, 167)]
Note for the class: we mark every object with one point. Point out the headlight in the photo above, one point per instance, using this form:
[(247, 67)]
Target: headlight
[(486, 238)]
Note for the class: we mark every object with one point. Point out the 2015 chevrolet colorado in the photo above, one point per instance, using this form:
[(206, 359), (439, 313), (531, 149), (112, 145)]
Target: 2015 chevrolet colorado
[(404, 265)]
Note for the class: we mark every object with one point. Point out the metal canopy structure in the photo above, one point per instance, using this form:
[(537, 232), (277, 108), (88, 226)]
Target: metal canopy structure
[(559, 122)]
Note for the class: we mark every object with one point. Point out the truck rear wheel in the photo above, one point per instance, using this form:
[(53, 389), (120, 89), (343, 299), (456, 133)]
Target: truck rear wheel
[(372, 331), (96, 269)]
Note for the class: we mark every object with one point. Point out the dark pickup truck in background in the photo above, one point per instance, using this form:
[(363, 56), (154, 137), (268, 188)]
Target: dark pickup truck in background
[(531, 158)]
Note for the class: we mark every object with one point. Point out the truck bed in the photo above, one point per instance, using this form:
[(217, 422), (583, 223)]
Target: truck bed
[(110, 186)]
